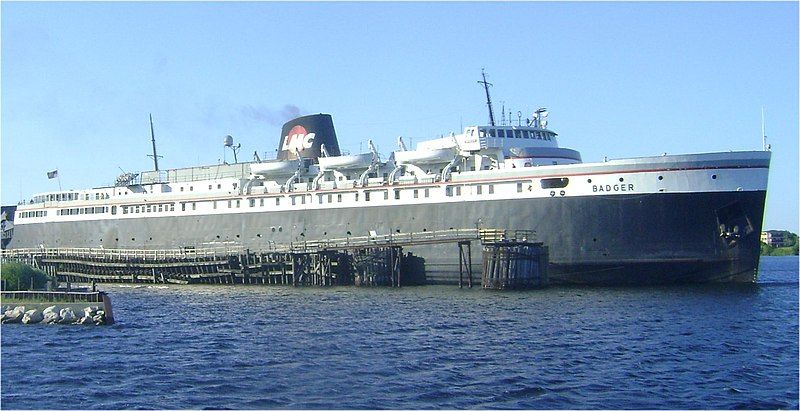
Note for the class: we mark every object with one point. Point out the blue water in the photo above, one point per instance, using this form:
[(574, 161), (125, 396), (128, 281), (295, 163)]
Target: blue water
[(697, 346)]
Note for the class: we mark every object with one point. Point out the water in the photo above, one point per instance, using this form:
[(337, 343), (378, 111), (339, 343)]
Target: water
[(697, 346)]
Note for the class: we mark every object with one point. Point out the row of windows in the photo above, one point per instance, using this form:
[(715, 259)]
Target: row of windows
[(369, 195), (536, 135), (30, 214), (83, 210), (456, 190), (56, 197), (146, 208)]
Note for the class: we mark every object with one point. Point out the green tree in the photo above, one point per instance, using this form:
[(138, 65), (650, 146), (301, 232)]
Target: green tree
[(19, 276)]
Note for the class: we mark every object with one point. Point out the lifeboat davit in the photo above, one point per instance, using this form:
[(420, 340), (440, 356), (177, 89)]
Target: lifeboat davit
[(274, 167), (350, 161), (442, 155)]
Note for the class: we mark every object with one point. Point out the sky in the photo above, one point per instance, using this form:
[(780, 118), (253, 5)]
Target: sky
[(620, 80)]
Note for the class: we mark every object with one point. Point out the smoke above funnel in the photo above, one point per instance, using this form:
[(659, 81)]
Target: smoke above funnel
[(270, 116)]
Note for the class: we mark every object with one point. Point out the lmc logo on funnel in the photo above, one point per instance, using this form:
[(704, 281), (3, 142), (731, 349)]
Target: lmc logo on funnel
[(298, 139)]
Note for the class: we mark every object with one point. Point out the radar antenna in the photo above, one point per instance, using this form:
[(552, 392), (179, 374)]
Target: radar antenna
[(153, 139), (488, 99)]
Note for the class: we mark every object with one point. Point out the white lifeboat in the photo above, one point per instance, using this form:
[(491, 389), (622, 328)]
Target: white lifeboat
[(351, 161), (274, 167), (442, 155)]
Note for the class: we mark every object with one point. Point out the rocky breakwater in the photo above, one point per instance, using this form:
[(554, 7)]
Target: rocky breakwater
[(92, 315), (56, 307)]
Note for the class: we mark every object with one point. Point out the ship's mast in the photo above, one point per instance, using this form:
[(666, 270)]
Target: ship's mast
[(488, 99), (153, 139)]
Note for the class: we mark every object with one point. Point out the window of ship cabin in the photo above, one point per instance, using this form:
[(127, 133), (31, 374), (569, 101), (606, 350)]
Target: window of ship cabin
[(183, 206), (260, 202), (238, 203), (277, 201), (234, 186), (427, 192), (338, 198), (525, 134), (181, 188), (160, 208), (491, 188), (215, 205), (229, 204), (478, 189), (124, 209), (448, 191), (294, 200), (517, 133), (501, 133), (491, 132), (330, 198), (210, 186), (253, 202), (356, 195), (194, 206), (416, 193), (303, 199), (396, 194), (172, 207), (149, 208), (366, 196), (191, 188), (519, 187), (319, 198), (219, 186), (458, 190), (385, 194), (554, 182)]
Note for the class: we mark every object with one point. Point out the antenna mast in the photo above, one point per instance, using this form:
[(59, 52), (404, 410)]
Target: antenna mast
[(763, 132), (153, 139), (488, 99)]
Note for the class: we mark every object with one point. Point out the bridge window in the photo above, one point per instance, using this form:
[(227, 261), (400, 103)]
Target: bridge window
[(491, 132)]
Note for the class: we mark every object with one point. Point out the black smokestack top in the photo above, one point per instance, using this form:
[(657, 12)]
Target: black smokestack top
[(307, 134)]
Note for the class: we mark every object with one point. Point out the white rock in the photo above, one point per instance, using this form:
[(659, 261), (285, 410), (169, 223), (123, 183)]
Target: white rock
[(13, 316), (32, 317), (51, 318), (50, 309), (67, 316)]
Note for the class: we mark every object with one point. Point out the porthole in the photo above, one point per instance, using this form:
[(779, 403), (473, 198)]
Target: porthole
[(621, 179), (714, 177), (258, 235), (589, 180), (660, 178), (217, 236)]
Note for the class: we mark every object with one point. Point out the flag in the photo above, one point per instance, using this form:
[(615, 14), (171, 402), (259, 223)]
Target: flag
[(52, 174)]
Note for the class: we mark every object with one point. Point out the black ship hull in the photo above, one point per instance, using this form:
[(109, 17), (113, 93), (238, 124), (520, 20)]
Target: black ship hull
[(652, 238)]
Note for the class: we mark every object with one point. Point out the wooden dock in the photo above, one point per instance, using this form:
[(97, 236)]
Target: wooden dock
[(375, 260)]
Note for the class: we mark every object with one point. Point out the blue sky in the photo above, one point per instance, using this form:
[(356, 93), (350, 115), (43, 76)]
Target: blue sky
[(620, 80)]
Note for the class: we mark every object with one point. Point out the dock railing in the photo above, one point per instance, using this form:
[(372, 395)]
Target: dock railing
[(214, 252)]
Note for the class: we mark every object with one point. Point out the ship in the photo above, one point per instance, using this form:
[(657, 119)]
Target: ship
[(647, 220)]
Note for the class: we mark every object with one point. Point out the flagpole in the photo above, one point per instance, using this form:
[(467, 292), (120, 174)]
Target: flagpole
[(58, 176)]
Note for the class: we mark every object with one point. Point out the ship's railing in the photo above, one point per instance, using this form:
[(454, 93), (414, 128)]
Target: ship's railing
[(216, 252)]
